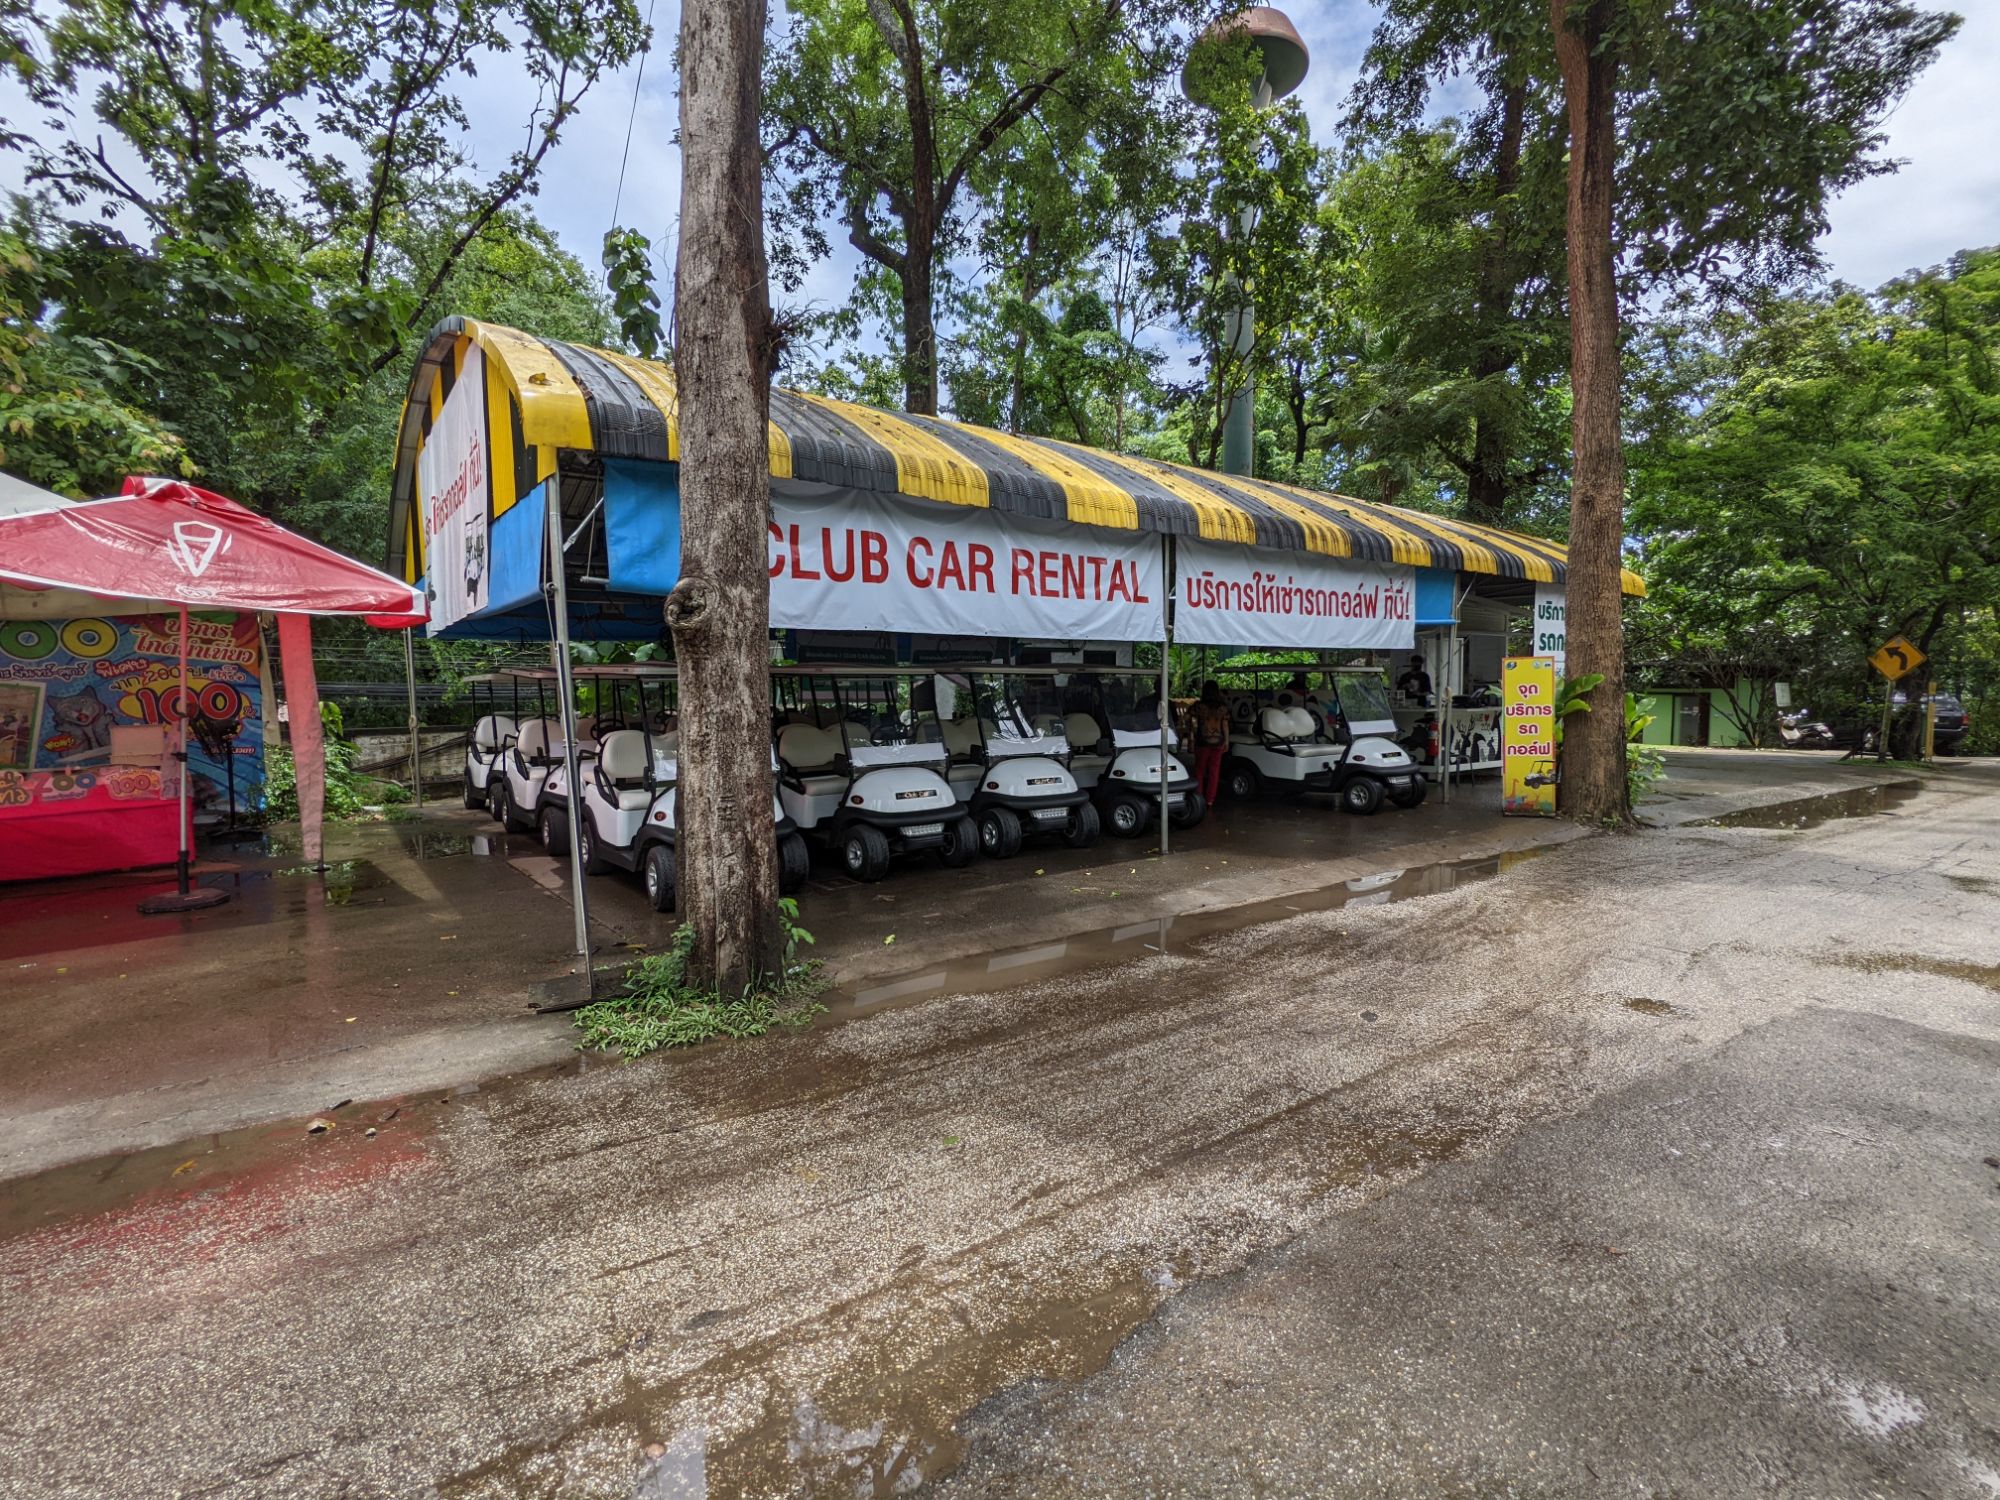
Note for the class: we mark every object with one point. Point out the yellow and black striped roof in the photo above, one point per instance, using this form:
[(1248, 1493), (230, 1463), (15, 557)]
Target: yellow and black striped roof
[(566, 396)]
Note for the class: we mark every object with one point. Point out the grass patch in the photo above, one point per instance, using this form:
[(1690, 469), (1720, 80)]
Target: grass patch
[(659, 1008)]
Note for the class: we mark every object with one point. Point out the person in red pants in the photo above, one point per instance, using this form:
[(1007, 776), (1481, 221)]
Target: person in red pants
[(1211, 739)]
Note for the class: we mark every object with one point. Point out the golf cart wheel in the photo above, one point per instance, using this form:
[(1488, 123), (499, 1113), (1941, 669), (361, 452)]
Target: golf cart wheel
[(961, 842), (1361, 796), (553, 828), (509, 816), (1193, 808), (1083, 826), (1412, 795), (660, 877), (864, 853), (999, 833), (1127, 815), (794, 864), (1241, 780), (474, 798), (589, 850)]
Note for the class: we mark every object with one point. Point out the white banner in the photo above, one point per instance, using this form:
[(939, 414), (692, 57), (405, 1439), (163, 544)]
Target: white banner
[(1552, 626), (1253, 596), (855, 561), (452, 494)]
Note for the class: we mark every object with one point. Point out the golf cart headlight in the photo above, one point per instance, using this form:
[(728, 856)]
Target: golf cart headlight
[(856, 799)]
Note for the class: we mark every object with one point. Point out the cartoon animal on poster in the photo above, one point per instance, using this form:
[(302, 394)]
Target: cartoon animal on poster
[(81, 720)]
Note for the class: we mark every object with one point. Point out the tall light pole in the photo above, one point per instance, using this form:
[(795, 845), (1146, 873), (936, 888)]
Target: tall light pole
[(1283, 57)]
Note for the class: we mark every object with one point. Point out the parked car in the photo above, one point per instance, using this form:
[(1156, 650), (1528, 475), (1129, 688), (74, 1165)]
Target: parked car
[(1953, 723)]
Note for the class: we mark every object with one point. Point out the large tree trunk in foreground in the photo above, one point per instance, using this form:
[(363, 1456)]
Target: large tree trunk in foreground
[(1593, 770), (720, 610)]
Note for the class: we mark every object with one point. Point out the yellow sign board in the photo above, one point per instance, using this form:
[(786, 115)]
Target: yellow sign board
[(1897, 659), (1528, 736)]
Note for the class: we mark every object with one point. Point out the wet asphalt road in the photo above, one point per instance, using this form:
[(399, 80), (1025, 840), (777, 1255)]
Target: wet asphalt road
[(1651, 1166)]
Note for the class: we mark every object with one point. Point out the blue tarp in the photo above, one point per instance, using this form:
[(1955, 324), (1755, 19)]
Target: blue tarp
[(1437, 591), (642, 526)]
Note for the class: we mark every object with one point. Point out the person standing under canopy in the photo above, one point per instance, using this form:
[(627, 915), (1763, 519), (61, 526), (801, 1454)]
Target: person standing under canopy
[(1210, 721)]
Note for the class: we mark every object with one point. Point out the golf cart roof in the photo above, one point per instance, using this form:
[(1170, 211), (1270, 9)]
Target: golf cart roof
[(514, 674), (1351, 668), (628, 671)]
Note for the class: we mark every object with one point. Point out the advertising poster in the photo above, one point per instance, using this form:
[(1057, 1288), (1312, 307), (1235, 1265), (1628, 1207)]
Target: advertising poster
[(1551, 622), (452, 493), (67, 685), (1252, 596), (850, 561), (1528, 736)]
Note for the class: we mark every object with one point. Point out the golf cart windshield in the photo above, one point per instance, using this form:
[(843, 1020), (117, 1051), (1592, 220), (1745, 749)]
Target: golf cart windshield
[(1363, 698), (1006, 713)]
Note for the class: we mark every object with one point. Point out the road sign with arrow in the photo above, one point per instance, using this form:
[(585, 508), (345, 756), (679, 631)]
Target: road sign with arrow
[(1896, 659)]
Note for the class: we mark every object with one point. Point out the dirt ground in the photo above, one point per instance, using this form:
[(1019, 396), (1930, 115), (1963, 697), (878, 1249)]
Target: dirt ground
[(1650, 1165)]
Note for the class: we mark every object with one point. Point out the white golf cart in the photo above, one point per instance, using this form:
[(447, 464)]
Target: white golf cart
[(1309, 728), (492, 734), (855, 776), (1012, 776), (536, 751), (1111, 720), (626, 817)]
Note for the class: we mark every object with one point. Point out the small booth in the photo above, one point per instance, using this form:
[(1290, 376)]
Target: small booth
[(125, 717)]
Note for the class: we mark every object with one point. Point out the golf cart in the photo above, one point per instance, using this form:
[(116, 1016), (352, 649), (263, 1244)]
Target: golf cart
[(626, 818), (861, 768), (1010, 775), (1335, 734), (1111, 720), (491, 736), (535, 751)]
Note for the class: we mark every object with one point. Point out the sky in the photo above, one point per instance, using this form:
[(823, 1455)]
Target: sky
[(1945, 198)]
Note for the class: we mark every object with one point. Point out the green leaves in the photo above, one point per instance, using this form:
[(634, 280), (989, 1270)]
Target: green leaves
[(628, 270)]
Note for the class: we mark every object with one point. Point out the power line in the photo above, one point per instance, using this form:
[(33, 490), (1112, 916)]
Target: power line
[(638, 79)]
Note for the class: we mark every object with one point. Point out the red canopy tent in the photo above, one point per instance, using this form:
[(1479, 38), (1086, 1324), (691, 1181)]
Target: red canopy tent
[(167, 545)]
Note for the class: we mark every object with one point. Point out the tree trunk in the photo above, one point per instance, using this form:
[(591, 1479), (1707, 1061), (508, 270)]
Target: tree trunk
[(1487, 484), (1593, 772), (726, 844), (919, 330)]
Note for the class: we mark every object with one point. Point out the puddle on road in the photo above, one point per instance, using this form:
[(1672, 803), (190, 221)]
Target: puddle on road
[(892, 1423), (1987, 975), (982, 972), (1877, 799), (1648, 1007)]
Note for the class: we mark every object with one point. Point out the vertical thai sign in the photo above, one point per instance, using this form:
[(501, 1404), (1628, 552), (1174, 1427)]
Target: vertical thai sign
[(1551, 622), (452, 490), (1528, 736)]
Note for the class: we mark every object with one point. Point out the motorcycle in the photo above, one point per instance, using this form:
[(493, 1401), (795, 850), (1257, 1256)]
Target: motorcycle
[(1800, 731)]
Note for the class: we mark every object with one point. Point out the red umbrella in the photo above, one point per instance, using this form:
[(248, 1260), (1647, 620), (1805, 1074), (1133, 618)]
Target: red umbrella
[(163, 539), (189, 548)]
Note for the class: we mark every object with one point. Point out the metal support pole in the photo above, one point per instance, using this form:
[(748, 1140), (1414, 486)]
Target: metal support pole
[(1882, 742), (566, 690), (416, 748), (1930, 720), (1166, 705)]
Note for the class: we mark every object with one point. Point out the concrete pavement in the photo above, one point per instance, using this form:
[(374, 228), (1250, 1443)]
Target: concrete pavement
[(419, 958), (1327, 1206)]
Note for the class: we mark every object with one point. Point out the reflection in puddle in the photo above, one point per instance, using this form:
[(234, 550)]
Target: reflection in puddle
[(1810, 812), (1115, 945)]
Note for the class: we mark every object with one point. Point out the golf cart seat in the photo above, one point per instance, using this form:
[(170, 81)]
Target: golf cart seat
[(539, 741), (962, 737), (1082, 731), (809, 753), (492, 733), (621, 770), (1286, 724)]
